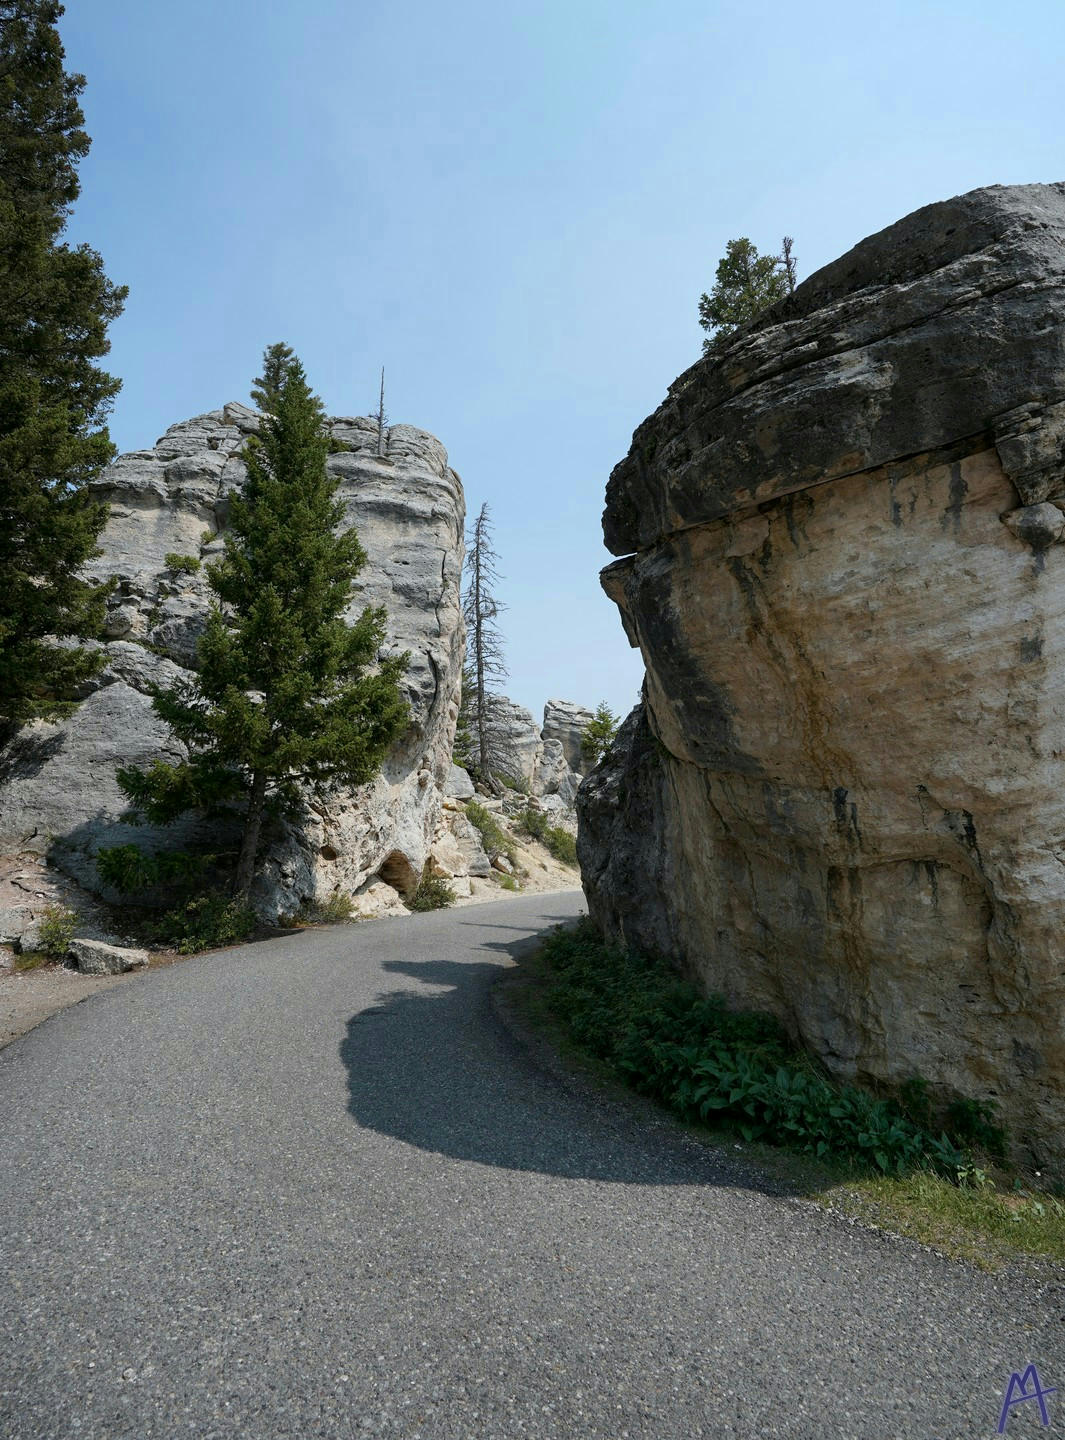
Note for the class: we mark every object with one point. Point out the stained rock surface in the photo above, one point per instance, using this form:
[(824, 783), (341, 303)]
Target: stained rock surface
[(565, 722), (843, 799), (61, 798)]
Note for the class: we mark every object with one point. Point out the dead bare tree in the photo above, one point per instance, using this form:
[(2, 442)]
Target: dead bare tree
[(485, 709), (381, 417), (787, 261)]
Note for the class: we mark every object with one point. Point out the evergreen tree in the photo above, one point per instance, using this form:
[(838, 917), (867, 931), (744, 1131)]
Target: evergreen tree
[(283, 692), (745, 285), (598, 734), (266, 388), (484, 708), (55, 306)]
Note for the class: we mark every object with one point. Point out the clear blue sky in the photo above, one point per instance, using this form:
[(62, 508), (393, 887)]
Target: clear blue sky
[(514, 209)]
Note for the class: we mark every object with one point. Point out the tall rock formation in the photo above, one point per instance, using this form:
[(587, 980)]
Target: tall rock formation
[(566, 722), (60, 796), (844, 797)]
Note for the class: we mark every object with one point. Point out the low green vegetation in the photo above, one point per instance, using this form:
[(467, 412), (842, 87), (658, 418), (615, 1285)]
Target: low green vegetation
[(560, 842), (507, 882), (336, 910), (128, 869), (182, 564), (433, 893), (204, 922), (736, 1069), (891, 1161), (493, 837)]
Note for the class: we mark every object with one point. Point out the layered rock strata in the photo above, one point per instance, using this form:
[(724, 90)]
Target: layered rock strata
[(844, 797), (566, 722), (60, 796)]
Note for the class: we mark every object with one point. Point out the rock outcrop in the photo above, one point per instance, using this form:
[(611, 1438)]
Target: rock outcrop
[(565, 722), (60, 796), (844, 797)]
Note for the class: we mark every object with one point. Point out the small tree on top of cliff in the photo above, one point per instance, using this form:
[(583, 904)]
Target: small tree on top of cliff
[(746, 284), (598, 734), (55, 306), (284, 690)]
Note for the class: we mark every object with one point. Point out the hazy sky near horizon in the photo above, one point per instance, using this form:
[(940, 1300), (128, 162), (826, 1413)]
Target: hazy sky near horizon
[(514, 209)]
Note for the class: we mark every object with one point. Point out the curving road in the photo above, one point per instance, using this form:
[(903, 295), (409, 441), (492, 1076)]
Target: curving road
[(311, 1187)]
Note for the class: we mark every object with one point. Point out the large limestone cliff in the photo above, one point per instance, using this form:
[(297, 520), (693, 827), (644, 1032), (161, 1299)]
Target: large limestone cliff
[(844, 797), (61, 798)]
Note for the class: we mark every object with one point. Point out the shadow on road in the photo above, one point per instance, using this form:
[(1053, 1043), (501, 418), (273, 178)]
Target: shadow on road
[(437, 1071)]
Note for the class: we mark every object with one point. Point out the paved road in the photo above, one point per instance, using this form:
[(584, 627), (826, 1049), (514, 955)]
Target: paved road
[(311, 1187)]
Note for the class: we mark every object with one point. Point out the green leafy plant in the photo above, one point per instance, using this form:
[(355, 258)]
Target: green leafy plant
[(735, 1069), (57, 930), (507, 882), (182, 564), (433, 893)]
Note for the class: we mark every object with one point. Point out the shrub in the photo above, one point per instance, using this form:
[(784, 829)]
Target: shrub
[(495, 839), (334, 911), (129, 869), (433, 893), (512, 782), (737, 1069), (57, 931), (560, 842), (533, 822), (507, 882), (182, 564), (205, 923)]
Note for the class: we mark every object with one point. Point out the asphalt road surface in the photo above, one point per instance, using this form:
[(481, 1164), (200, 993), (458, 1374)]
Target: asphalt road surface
[(313, 1187)]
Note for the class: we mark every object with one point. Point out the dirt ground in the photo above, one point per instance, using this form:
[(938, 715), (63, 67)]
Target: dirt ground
[(29, 996)]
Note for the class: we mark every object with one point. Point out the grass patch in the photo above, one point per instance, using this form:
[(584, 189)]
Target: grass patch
[(984, 1224), (733, 1075), (506, 882), (32, 960)]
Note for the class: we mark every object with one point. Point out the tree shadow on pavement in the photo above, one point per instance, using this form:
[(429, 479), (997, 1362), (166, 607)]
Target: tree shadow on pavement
[(434, 1067)]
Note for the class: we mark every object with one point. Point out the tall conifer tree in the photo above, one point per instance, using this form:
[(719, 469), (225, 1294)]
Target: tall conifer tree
[(283, 691), (55, 306)]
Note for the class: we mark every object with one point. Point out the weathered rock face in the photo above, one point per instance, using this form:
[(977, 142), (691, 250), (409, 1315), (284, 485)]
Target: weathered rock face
[(564, 721), (518, 737), (62, 798), (536, 757), (845, 798)]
